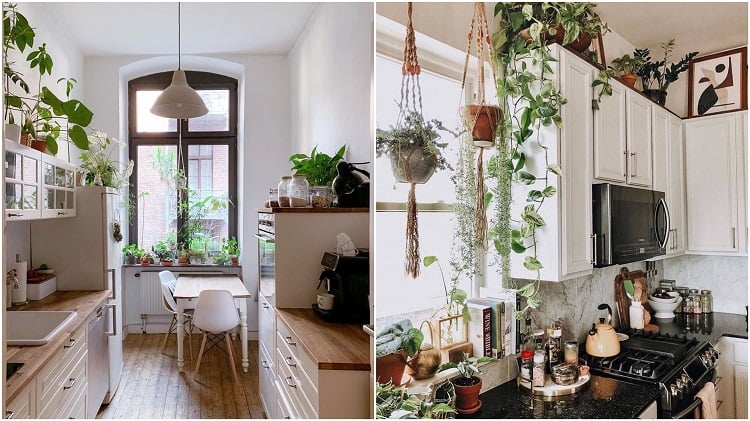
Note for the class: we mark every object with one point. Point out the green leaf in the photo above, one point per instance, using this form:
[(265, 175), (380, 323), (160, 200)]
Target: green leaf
[(555, 169), (458, 295), (428, 260), (531, 263), (517, 246), (51, 144), (465, 315), (533, 196), (487, 199), (79, 137), (526, 290), (533, 302), (530, 216), (515, 234), (549, 191), (526, 177)]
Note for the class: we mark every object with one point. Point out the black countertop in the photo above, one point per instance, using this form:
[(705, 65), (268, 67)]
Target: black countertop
[(705, 327), (602, 398)]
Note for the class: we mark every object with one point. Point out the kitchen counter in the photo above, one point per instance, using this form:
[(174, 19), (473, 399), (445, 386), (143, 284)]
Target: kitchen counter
[(332, 346), (705, 327), (602, 398), (35, 357)]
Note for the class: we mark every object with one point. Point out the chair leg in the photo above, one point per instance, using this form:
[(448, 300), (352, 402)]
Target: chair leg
[(230, 355), (190, 338), (200, 355), (169, 331)]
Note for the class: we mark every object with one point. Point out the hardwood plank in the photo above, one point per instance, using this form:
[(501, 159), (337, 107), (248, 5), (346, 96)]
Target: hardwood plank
[(151, 386)]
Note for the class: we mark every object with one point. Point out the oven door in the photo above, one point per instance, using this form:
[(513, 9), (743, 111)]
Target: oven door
[(267, 265)]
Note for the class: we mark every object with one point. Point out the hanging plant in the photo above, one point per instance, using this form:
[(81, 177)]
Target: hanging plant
[(480, 118), (412, 144)]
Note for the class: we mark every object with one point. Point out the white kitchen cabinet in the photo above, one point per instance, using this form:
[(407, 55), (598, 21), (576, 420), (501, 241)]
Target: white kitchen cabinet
[(62, 381), (638, 134), (564, 245), (669, 174), (731, 394), (650, 413), (622, 137), (267, 354), (715, 172), (58, 188), (24, 405)]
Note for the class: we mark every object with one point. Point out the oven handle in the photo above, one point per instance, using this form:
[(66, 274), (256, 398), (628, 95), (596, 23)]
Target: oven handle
[(689, 409), (265, 238)]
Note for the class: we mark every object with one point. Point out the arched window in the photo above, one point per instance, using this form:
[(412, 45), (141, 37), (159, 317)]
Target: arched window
[(209, 165)]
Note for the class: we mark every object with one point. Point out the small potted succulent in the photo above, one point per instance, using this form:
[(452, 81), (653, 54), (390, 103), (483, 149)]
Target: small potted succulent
[(231, 249), (467, 385)]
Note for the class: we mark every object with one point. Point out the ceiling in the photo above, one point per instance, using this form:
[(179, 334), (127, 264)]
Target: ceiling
[(126, 28), (703, 27)]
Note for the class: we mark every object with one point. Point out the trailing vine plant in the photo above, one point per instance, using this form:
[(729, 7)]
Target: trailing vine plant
[(530, 100)]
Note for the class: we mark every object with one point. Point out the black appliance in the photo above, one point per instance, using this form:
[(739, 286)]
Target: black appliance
[(351, 186), (11, 368), (630, 224), (348, 279), (680, 366)]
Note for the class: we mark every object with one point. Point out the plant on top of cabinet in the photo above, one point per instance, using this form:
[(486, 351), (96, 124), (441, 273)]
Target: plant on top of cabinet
[(97, 166), (319, 167), (657, 75), (627, 68), (42, 111), (17, 35)]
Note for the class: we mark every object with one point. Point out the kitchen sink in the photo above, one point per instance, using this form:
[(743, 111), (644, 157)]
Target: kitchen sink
[(34, 328)]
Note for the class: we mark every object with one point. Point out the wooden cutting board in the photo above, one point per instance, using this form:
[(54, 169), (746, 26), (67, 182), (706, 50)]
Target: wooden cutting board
[(623, 302)]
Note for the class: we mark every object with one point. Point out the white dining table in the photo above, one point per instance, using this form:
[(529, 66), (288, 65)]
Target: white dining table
[(189, 287)]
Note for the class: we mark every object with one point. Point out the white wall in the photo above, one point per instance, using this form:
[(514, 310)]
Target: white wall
[(725, 276), (330, 68)]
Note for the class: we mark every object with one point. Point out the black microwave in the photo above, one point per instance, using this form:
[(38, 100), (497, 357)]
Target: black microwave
[(630, 224)]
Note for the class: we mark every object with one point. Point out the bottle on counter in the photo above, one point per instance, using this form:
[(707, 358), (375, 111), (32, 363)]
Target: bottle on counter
[(537, 374), (528, 337), (707, 301), (695, 301), (527, 365), (636, 315), (683, 291)]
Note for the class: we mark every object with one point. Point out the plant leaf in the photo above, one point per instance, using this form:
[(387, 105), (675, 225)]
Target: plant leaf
[(526, 290), (554, 169), (531, 263), (549, 191), (526, 177), (428, 260)]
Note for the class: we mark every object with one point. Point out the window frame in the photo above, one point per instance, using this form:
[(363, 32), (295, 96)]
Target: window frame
[(198, 81)]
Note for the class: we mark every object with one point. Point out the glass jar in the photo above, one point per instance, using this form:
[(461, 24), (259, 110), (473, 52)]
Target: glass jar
[(683, 291), (570, 350), (283, 191), (695, 301), (537, 375), (299, 192), (707, 301), (321, 196), (667, 284), (527, 364), (273, 198)]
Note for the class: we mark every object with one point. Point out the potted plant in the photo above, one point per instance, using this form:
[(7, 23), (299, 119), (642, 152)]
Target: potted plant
[(163, 252), (455, 300), (657, 75), (394, 344), (221, 258), (97, 167), (467, 385), (395, 402), (132, 254), (231, 249), (320, 170), (628, 67), (183, 257), (413, 148), (147, 259), (17, 35)]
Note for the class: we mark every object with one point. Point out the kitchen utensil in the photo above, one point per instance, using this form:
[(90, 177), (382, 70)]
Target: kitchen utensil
[(623, 302), (565, 374), (664, 310), (602, 340), (351, 186), (628, 285)]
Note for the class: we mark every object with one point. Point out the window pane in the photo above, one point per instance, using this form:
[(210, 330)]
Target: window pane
[(210, 196), (157, 201), (147, 122), (217, 119)]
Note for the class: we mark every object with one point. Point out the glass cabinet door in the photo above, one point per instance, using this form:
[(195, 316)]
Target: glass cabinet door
[(22, 186), (59, 188)]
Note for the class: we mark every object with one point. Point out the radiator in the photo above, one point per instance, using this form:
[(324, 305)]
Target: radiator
[(151, 294)]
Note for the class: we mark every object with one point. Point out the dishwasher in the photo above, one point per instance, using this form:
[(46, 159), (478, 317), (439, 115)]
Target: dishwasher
[(98, 362)]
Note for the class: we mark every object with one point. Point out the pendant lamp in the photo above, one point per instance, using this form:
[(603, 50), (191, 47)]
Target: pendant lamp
[(179, 100)]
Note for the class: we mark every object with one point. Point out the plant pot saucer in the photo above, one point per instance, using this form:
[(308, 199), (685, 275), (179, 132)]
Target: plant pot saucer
[(470, 410)]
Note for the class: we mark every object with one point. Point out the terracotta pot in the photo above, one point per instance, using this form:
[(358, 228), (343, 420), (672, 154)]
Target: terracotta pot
[(628, 79), (391, 368), (656, 95), (235, 260), (580, 44), (40, 145), (413, 165), (167, 262), (482, 120), (425, 363), (467, 397), (183, 261)]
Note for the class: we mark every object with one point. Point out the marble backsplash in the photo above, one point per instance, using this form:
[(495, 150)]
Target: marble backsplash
[(725, 276)]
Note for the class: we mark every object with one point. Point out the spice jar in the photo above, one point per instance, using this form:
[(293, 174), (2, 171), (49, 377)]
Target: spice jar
[(683, 291), (570, 350), (283, 191), (321, 196), (695, 301), (707, 301), (299, 192), (527, 364), (273, 198), (537, 375)]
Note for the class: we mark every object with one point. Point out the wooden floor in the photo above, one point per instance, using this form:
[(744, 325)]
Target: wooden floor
[(151, 387)]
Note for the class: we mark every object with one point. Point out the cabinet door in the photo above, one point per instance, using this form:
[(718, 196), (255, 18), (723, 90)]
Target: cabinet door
[(740, 391), (22, 182), (610, 152), (725, 378), (576, 140), (22, 407), (638, 132), (711, 177), (676, 186)]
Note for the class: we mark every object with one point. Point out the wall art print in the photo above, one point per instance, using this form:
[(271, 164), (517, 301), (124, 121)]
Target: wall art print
[(718, 83)]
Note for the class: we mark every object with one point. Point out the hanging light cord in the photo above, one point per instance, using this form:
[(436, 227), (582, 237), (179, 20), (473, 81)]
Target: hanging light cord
[(179, 37)]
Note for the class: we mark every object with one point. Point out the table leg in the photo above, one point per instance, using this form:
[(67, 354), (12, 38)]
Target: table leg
[(180, 334), (243, 334)]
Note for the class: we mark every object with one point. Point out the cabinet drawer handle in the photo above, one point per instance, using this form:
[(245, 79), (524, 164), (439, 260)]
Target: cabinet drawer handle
[(625, 154), (593, 261), (290, 362), (70, 344), (718, 403), (13, 214), (734, 237), (264, 364), (266, 306), (288, 381), (289, 341), (635, 163), (9, 415), (61, 213), (72, 383)]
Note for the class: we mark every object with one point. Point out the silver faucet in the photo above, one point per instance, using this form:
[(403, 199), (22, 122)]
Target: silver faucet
[(12, 279)]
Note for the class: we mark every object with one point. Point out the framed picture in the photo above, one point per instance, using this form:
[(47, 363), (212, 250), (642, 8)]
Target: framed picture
[(718, 83)]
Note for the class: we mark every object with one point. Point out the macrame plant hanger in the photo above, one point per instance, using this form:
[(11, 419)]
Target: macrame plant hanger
[(480, 118), (411, 100)]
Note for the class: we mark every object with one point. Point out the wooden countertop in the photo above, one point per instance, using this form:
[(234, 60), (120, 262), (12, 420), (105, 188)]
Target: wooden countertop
[(313, 210), (332, 346), (36, 357)]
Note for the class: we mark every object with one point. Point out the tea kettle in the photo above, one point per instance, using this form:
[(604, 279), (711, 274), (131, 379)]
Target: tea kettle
[(602, 339), (351, 186)]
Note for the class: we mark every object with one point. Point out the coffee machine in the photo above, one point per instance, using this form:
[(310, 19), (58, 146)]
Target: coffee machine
[(348, 279)]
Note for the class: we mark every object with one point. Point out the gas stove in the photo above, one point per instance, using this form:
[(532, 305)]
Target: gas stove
[(681, 366)]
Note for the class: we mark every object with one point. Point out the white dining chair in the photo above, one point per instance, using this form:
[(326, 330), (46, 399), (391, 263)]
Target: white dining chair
[(168, 283), (216, 314)]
